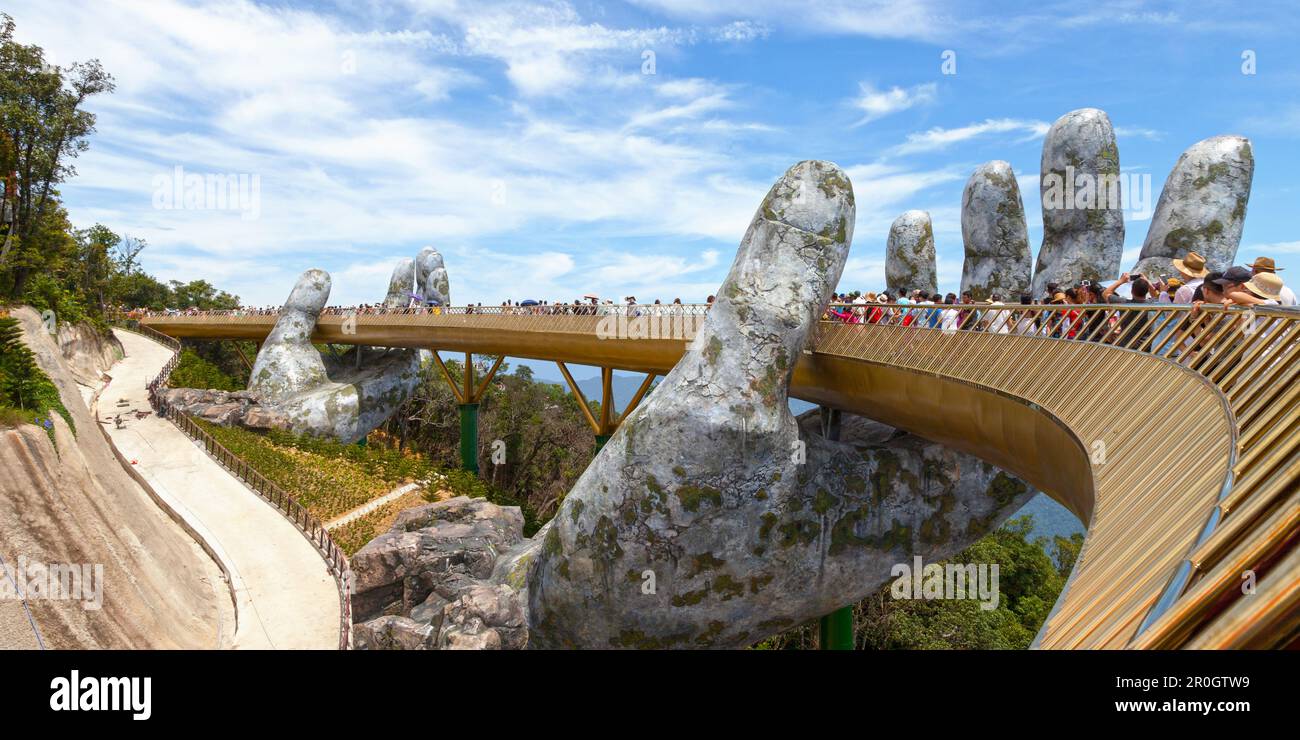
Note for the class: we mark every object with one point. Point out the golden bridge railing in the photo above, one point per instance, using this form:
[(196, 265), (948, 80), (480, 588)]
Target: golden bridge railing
[(1236, 503)]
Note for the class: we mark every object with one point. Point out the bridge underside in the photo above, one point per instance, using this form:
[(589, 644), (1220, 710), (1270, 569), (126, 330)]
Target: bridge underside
[(1047, 410)]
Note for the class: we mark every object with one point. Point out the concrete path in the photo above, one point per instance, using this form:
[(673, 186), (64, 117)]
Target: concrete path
[(369, 506), (285, 597)]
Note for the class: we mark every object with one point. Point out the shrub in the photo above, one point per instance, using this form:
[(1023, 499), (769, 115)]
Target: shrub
[(195, 372), (24, 387)]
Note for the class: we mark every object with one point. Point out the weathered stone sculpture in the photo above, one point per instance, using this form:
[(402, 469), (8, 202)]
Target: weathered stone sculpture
[(1083, 218), (909, 255), (993, 230), (287, 362), (344, 397), (708, 489), (432, 276), (401, 286), (340, 398), (1202, 207)]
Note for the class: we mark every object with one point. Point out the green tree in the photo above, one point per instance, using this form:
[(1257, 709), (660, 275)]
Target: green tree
[(1028, 585), (45, 127), (545, 440)]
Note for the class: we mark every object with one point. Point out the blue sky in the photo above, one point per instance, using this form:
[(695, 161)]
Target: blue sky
[(526, 141)]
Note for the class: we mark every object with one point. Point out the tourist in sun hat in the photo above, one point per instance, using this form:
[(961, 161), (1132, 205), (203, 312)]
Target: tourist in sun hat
[(1192, 268), (1286, 296), (1265, 285)]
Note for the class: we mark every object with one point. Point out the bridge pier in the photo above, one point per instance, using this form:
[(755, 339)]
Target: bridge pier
[(468, 396), (607, 424), (835, 630), (469, 437)]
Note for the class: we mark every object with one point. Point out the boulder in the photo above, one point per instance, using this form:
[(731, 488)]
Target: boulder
[(436, 548), (393, 633), (485, 617)]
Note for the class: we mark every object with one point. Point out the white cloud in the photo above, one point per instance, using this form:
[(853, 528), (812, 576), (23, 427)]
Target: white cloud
[(876, 104), (909, 19), (1137, 132), (938, 138)]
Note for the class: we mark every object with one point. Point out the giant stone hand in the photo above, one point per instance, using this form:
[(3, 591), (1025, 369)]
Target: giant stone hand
[(342, 397), (704, 485)]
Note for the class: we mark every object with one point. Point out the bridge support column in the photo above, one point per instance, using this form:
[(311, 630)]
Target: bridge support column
[(469, 437), (835, 631), (610, 418), (467, 396)]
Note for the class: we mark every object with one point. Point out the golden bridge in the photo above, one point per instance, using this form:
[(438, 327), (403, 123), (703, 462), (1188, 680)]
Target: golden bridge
[(1170, 432)]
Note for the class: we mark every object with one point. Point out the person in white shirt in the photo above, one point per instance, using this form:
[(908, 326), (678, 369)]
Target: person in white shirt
[(1192, 268), (948, 319), (1286, 296), (997, 321)]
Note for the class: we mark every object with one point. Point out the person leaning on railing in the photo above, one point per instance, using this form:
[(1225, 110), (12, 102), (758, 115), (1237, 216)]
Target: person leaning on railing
[(1129, 330)]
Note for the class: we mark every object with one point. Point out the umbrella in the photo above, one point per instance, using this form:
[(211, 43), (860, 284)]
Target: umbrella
[(591, 297), (529, 302)]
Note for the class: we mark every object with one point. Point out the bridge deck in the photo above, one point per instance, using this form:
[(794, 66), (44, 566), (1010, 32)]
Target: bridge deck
[(1176, 447)]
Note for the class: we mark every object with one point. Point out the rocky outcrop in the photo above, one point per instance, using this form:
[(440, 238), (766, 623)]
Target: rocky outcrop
[(998, 259), (1202, 207), (909, 255), (227, 408), (86, 351), (1083, 217), (425, 583)]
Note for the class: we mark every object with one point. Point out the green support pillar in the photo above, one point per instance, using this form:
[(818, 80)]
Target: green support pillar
[(601, 439), (836, 630), (469, 437)]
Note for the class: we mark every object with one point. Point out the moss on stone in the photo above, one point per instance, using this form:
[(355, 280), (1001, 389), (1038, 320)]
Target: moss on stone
[(823, 501), (727, 588), (798, 532), (691, 496), (704, 562), (690, 598)]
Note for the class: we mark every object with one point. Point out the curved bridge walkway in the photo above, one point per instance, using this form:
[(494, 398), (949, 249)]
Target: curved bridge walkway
[(284, 596), (1171, 434)]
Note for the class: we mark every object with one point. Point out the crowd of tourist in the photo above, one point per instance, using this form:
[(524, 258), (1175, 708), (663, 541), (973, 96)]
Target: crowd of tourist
[(1075, 311)]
